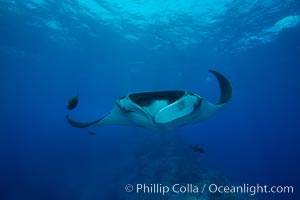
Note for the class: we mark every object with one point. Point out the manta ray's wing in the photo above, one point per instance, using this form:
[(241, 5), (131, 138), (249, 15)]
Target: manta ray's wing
[(115, 117), (208, 109), (225, 86)]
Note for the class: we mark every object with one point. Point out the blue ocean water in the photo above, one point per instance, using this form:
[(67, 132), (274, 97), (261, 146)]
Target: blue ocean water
[(102, 50)]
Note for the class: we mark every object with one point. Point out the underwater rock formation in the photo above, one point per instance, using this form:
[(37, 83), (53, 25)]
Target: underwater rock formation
[(165, 160)]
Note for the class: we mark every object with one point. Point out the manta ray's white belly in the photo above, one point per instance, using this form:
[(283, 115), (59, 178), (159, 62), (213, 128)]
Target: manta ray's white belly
[(155, 107)]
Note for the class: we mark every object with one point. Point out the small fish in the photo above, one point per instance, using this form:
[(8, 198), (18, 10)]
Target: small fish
[(72, 102), (92, 132), (197, 149)]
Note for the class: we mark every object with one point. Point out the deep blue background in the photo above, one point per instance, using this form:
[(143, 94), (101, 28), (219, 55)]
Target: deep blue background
[(254, 140)]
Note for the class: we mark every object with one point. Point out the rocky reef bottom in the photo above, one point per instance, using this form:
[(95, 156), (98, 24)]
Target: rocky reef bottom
[(166, 167)]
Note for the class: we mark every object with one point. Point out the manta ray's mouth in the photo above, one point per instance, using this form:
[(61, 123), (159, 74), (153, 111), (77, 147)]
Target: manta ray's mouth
[(145, 99)]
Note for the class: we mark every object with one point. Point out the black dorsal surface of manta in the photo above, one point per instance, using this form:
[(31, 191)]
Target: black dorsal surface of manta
[(162, 110)]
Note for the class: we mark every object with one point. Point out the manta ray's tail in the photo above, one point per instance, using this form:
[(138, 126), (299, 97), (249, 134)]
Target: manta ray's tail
[(226, 89)]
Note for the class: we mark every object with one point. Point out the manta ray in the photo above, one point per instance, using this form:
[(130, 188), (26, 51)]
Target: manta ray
[(162, 110)]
